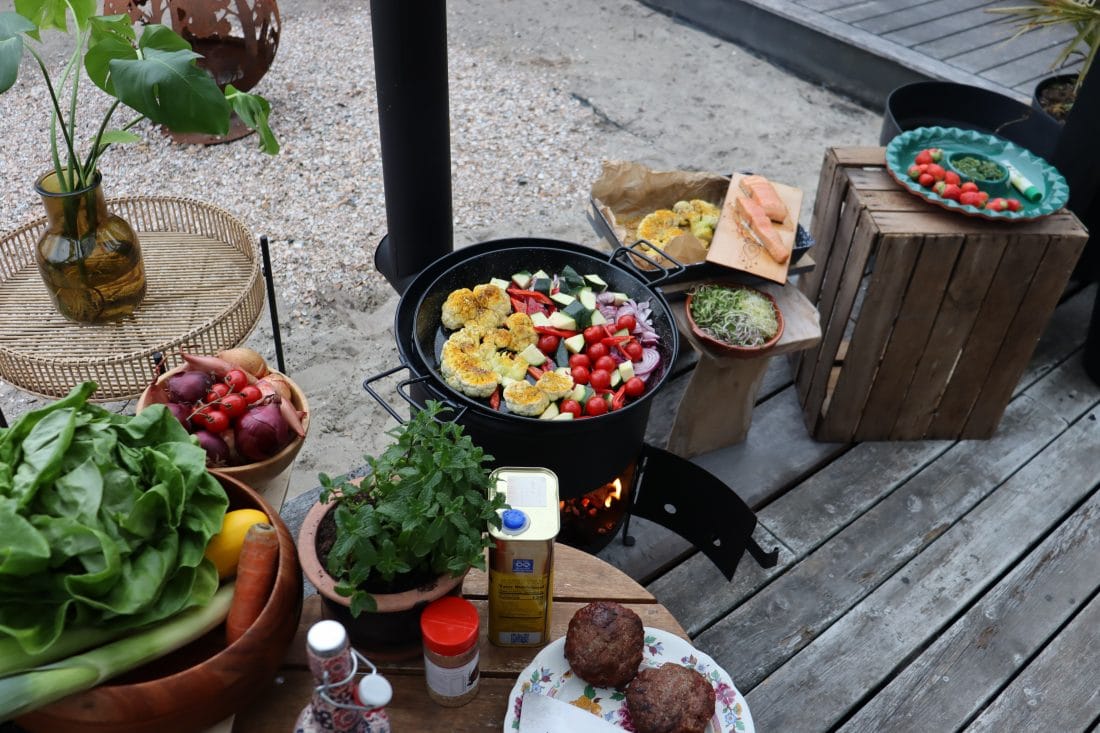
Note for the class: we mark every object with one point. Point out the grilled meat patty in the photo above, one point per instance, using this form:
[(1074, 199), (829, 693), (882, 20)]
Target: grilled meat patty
[(670, 699), (604, 644)]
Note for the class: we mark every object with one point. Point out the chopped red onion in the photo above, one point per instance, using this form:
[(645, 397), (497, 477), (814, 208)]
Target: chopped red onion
[(651, 359)]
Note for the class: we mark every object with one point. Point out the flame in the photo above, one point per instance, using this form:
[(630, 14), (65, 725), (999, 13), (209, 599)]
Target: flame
[(618, 484)]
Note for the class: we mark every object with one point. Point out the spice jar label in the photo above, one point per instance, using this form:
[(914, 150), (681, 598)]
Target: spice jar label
[(454, 681)]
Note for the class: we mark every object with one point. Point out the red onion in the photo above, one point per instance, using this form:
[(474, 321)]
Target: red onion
[(217, 452), (651, 359), (181, 412), (262, 432), (189, 386)]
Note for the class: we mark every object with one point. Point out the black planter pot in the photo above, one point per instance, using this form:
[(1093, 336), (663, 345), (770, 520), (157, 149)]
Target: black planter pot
[(1037, 94), (947, 104)]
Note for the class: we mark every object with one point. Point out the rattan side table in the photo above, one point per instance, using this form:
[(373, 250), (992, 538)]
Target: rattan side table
[(204, 293)]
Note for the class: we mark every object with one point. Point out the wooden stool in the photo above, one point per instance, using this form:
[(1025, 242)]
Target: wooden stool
[(929, 317), (716, 409)]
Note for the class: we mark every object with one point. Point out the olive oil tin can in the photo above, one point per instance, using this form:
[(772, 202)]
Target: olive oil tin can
[(521, 562)]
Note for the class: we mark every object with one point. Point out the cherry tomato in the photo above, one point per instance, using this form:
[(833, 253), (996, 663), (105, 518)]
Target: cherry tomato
[(234, 405), (217, 391), (607, 364), (596, 406), (580, 360), (211, 419), (236, 379), (633, 350), (251, 393), (579, 374), (626, 321), (548, 343), (571, 406), (596, 350), (600, 378), (593, 335), (635, 387)]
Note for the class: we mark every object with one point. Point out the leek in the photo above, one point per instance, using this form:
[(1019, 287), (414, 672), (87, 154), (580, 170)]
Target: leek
[(24, 692)]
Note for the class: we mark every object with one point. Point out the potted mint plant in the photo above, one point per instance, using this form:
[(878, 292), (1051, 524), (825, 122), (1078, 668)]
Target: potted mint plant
[(380, 549), (89, 259)]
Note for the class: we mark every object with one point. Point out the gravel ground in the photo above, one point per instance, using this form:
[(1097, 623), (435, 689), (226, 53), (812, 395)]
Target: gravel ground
[(541, 92)]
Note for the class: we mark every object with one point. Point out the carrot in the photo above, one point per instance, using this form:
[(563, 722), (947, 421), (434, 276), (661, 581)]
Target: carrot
[(255, 578)]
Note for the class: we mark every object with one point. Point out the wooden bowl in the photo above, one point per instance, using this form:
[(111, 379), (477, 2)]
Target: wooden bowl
[(205, 681), (260, 472), (739, 352)]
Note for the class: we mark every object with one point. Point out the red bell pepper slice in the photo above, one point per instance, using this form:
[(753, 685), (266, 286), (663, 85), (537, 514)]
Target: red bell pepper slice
[(534, 372), (619, 399), (615, 340), (540, 297), (548, 331), (519, 306), (494, 399)]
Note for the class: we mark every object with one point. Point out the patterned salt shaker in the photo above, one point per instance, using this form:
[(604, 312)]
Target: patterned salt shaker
[(373, 694), (331, 663)]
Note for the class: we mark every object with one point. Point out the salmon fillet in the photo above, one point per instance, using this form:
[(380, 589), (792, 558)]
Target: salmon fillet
[(750, 215), (763, 192)]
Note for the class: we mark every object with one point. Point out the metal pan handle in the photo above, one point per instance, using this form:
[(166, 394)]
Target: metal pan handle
[(405, 394), (628, 251)]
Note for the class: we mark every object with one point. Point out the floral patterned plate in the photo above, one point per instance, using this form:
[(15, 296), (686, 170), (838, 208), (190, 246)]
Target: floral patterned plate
[(549, 674)]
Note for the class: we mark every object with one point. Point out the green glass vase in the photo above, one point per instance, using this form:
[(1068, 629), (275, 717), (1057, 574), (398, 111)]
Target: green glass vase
[(89, 259)]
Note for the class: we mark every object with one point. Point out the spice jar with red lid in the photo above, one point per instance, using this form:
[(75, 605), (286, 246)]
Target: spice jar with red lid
[(451, 627)]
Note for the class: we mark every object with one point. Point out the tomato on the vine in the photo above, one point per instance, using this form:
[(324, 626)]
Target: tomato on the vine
[(607, 364), (600, 378), (548, 343), (579, 374), (581, 360), (635, 387), (596, 350), (596, 406), (236, 379), (251, 393), (593, 335), (234, 405), (626, 321), (217, 391), (572, 407), (211, 419)]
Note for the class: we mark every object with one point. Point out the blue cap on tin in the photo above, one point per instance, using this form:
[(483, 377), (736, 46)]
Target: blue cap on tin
[(513, 520)]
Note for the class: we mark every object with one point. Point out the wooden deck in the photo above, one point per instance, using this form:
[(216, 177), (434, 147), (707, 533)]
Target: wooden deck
[(867, 47), (933, 585)]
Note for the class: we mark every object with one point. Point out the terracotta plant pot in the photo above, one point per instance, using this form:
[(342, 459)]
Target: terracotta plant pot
[(393, 632), (205, 681), (741, 352), (259, 473)]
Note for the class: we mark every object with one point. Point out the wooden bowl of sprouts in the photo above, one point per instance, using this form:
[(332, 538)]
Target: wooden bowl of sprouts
[(735, 320)]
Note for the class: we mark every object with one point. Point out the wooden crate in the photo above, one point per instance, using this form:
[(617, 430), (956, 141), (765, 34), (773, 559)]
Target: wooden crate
[(928, 317)]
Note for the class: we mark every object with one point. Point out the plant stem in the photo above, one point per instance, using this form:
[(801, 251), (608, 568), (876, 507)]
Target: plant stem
[(57, 111), (93, 154), (74, 162)]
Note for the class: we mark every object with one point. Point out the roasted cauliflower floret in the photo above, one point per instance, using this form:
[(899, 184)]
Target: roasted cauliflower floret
[(524, 398), (486, 306), (474, 379), (555, 385), (460, 307), (523, 331), (492, 298), (659, 227), (459, 348)]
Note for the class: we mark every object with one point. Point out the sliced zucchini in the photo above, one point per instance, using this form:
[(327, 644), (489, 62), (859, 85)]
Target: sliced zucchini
[(564, 416), (502, 284), (522, 279), (626, 370), (541, 273), (532, 355), (539, 318), (620, 298), (564, 370), (580, 314), (616, 379), (562, 320), (575, 344), (505, 380), (562, 298), (578, 394), (587, 298), (550, 412), (622, 332), (597, 318), (541, 284), (597, 281)]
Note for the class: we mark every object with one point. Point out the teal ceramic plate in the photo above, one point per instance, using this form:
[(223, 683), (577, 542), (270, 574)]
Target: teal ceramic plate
[(904, 148)]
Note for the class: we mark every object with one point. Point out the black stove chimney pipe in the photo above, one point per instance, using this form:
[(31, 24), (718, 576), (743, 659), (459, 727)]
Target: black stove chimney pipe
[(410, 70)]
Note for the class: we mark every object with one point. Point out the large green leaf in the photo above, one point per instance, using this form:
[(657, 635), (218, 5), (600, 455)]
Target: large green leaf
[(169, 89), (162, 38), (112, 37), (254, 110), (12, 28), (47, 14)]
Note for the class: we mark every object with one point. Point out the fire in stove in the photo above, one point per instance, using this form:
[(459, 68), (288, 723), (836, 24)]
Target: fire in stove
[(590, 521)]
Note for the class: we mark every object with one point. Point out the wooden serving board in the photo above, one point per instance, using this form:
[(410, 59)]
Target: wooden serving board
[(731, 248)]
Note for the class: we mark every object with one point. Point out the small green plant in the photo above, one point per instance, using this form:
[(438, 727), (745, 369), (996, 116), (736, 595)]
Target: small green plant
[(422, 510), (154, 75), (738, 316), (1083, 15)]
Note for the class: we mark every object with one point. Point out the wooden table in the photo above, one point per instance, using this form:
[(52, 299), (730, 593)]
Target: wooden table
[(579, 578)]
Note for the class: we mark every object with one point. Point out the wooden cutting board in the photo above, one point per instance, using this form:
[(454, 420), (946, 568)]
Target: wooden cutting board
[(731, 248)]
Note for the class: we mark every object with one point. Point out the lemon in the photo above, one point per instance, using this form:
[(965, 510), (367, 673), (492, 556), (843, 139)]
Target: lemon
[(224, 549)]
